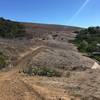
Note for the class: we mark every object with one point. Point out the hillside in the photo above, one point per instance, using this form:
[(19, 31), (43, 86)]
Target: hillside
[(88, 41), (43, 64)]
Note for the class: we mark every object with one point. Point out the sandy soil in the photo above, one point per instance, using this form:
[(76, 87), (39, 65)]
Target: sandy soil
[(17, 86)]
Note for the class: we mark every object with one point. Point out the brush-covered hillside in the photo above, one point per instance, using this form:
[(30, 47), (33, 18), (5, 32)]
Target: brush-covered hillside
[(44, 62), (88, 41)]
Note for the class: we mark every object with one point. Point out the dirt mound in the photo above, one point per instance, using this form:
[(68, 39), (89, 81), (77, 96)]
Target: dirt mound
[(62, 59)]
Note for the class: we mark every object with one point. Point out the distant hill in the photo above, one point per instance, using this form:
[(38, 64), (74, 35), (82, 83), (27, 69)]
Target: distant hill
[(11, 29)]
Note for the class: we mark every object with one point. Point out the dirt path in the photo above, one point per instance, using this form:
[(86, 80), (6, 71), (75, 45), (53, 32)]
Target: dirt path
[(22, 62), (16, 86)]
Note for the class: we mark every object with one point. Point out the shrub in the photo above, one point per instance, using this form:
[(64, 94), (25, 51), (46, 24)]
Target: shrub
[(43, 71), (2, 60), (87, 41), (83, 46), (10, 29), (97, 57), (76, 31)]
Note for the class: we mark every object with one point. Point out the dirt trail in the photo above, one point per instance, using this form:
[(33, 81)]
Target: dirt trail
[(16, 86), (22, 61)]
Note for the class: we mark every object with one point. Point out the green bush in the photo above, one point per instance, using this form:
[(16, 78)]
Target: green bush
[(83, 46), (87, 41), (2, 60), (97, 57), (43, 71), (76, 31)]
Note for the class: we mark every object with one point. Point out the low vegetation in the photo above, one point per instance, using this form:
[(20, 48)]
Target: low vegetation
[(10, 29), (3, 59), (43, 71), (88, 41)]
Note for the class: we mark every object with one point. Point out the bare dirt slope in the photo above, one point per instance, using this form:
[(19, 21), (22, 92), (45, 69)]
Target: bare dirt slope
[(15, 86), (18, 87)]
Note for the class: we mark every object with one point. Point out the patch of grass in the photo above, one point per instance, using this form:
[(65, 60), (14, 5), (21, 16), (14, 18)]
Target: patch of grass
[(3, 59), (43, 71)]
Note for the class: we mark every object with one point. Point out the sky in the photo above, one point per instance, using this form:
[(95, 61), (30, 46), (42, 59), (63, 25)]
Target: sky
[(82, 13)]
